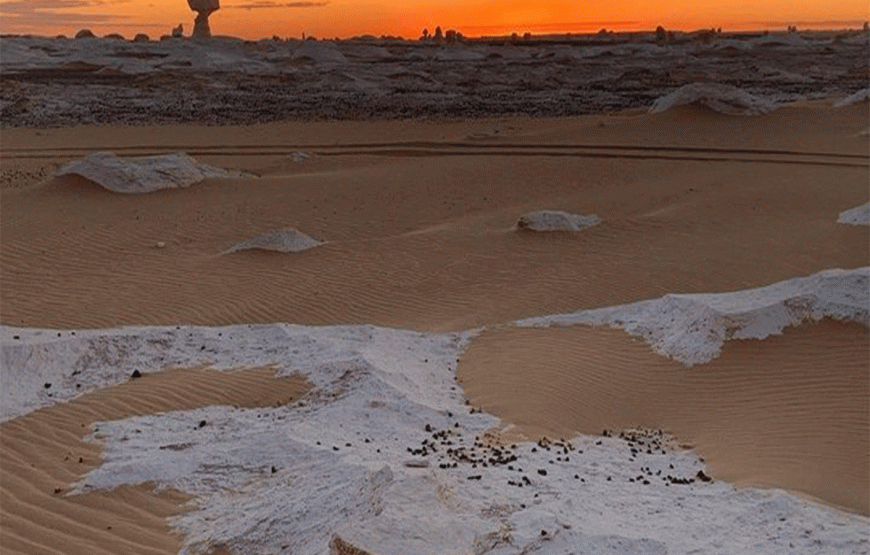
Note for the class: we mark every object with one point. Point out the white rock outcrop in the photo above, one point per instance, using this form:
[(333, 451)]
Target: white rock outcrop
[(556, 220), (142, 175), (692, 328), (860, 215), (279, 240), (725, 99), (330, 468), (861, 96)]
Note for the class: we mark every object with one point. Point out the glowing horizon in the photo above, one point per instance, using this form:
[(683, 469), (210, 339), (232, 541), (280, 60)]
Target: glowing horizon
[(253, 19)]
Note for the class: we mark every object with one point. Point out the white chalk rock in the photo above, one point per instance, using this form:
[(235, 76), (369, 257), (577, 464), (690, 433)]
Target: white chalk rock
[(555, 220), (692, 328), (725, 99), (861, 96), (279, 240), (142, 175), (318, 52), (860, 215)]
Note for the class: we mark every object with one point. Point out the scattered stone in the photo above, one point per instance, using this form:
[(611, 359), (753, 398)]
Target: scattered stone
[(417, 463), (287, 240), (136, 374), (555, 220), (85, 34)]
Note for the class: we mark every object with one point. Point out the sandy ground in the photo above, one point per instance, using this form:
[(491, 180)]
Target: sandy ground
[(44, 452), (417, 217)]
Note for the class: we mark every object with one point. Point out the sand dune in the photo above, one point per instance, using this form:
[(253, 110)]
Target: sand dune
[(788, 411), (43, 453)]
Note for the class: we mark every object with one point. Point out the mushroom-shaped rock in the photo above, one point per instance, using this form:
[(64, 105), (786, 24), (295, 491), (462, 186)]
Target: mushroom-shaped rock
[(725, 99), (203, 9), (279, 240), (142, 175), (555, 220)]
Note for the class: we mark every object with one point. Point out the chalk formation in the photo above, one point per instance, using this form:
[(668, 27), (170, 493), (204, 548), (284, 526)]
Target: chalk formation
[(203, 9)]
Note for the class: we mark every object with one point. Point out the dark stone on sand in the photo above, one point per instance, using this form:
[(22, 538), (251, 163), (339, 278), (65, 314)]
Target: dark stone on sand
[(47, 385), (136, 374), (202, 423), (703, 477), (542, 472)]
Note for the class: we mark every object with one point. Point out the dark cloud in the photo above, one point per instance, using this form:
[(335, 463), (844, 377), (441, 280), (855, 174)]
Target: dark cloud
[(43, 13), (268, 4)]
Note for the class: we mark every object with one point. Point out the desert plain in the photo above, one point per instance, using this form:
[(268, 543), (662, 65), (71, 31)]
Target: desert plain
[(689, 373)]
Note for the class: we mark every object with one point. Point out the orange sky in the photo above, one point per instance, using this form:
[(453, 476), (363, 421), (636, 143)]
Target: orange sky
[(344, 18)]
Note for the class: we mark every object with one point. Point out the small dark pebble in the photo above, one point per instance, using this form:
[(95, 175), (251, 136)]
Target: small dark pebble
[(274, 470), (136, 374), (47, 385), (202, 423), (542, 472), (703, 477)]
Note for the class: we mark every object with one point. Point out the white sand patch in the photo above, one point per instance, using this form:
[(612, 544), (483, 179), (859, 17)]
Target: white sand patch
[(279, 240), (860, 215), (555, 220), (725, 99), (142, 175), (861, 96), (692, 328), (331, 467)]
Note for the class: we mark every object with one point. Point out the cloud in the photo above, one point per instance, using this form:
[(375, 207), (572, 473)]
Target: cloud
[(43, 13), (269, 4), (563, 27)]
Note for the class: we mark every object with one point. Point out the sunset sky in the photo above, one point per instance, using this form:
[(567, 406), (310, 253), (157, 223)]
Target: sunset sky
[(344, 18)]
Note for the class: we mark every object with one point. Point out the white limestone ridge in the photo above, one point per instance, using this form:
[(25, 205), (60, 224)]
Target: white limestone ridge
[(692, 328), (331, 470), (142, 175), (722, 98), (860, 215), (861, 96), (555, 220), (279, 240)]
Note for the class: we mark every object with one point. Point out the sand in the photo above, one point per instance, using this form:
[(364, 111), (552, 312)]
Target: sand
[(44, 452), (789, 411), (417, 221)]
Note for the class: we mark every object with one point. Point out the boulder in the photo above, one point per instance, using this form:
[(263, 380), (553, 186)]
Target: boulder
[(85, 34), (725, 99), (142, 175)]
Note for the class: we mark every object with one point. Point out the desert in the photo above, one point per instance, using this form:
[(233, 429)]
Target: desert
[(599, 293)]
